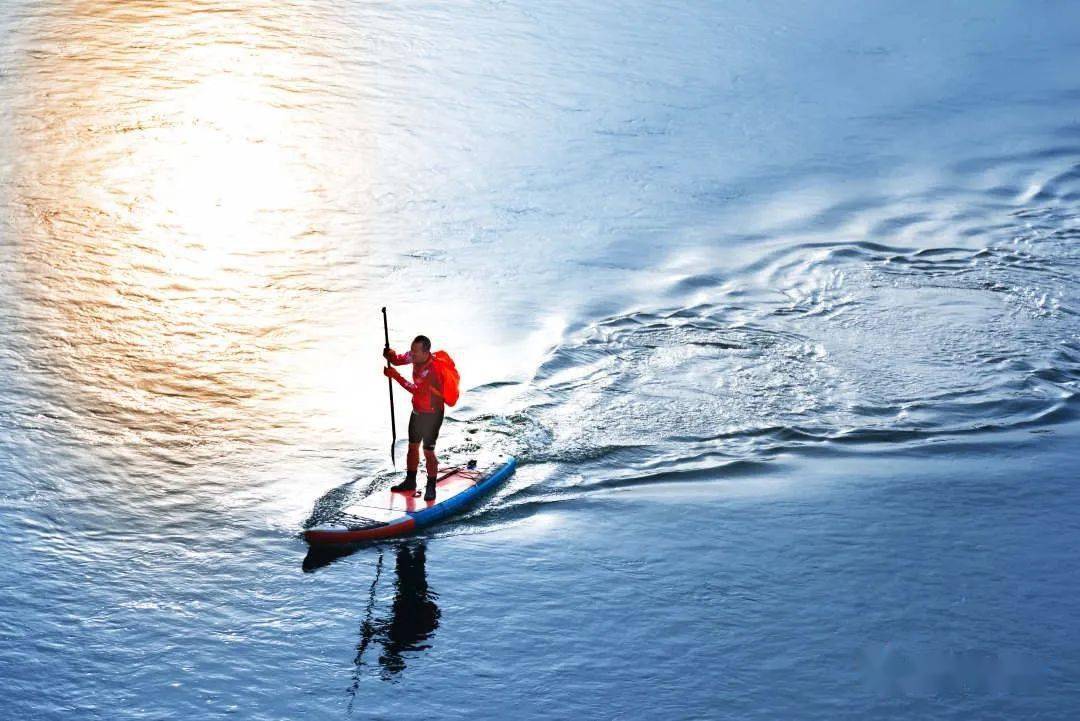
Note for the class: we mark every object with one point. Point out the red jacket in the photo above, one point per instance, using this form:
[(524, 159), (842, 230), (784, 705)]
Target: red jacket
[(424, 378)]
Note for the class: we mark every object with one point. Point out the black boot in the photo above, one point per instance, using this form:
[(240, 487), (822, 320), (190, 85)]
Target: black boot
[(409, 484), (429, 492)]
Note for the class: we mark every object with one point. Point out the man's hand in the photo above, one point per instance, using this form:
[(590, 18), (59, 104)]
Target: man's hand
[(388, 352), (391, 373)]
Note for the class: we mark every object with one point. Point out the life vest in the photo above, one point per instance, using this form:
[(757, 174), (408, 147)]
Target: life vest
[(449, 378)]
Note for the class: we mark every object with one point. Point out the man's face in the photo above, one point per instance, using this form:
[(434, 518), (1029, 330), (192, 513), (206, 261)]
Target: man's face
[(419, 355)]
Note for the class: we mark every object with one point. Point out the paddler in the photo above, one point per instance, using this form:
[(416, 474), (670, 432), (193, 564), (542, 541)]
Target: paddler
[(427, 413)]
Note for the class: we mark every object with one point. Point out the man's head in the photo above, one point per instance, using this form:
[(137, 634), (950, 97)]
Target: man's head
[(421, 349)]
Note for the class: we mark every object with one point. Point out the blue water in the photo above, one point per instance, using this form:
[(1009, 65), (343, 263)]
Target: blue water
[(777, 305)]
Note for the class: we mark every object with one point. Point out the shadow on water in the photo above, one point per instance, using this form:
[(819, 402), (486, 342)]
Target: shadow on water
[(318, 557), (406, 626)]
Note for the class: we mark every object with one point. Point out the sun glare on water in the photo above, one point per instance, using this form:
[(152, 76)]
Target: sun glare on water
[(172, 223)]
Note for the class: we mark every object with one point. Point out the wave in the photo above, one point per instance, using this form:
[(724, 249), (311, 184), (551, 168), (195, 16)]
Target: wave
[(955, 319)]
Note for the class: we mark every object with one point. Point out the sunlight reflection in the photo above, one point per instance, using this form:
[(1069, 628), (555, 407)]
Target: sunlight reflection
[(173, 224)]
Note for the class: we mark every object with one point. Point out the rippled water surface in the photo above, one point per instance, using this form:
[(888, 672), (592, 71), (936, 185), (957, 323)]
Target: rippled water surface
[(777, 304)]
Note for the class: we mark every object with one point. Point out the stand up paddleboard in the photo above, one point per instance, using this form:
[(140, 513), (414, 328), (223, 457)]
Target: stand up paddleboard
[(386, 514)]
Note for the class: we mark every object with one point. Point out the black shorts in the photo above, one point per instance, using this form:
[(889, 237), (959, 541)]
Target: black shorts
[(425, 427)]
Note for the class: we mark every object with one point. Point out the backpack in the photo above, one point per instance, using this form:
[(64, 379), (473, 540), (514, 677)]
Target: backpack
[(448, 376)]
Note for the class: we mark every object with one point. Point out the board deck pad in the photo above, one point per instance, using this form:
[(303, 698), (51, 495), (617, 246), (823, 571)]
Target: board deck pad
[(385, 514)]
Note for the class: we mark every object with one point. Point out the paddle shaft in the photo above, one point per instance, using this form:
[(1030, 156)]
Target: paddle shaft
[(390, 387)]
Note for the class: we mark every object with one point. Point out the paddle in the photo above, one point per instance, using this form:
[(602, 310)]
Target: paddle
[(390, 386)]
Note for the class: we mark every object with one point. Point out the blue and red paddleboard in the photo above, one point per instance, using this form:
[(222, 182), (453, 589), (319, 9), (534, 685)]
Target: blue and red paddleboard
[(385, 514)]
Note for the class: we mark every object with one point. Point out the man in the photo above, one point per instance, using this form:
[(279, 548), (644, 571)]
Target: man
[(427, 414)]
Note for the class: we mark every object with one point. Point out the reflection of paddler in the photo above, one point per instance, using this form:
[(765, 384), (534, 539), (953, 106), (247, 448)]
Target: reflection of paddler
[(433, 387), (414, 615)]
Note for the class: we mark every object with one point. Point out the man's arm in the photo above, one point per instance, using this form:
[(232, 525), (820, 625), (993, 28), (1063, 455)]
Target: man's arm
[(407, 385), (398, 359)]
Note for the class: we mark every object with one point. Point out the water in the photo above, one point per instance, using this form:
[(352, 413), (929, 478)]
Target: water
[(776, 304)]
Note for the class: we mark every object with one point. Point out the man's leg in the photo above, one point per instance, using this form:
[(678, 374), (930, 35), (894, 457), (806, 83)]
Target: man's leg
[(431, 434), (431, 462), (412, 458)]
